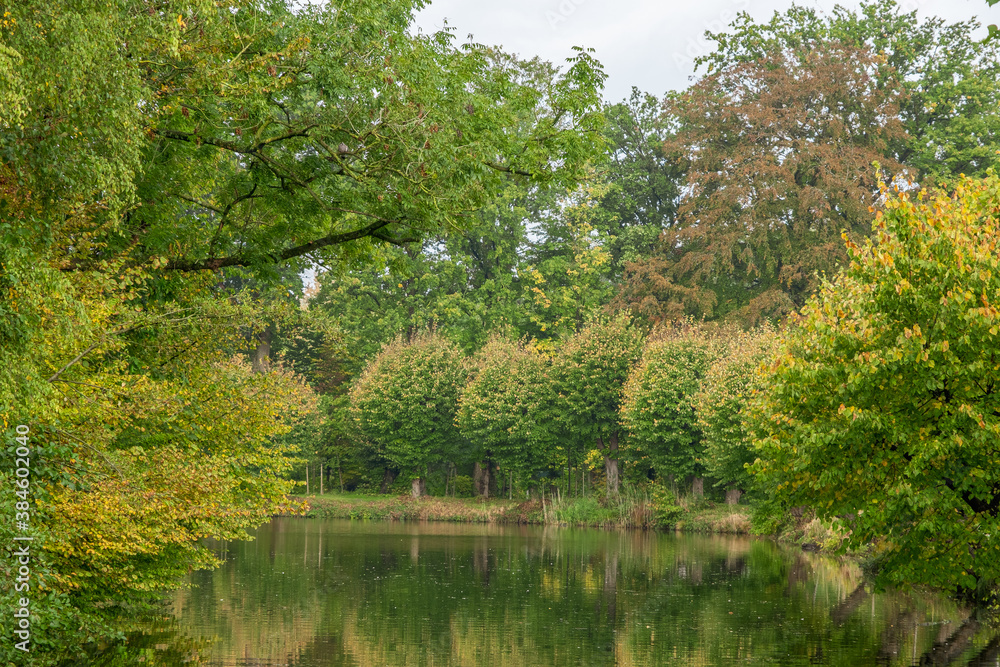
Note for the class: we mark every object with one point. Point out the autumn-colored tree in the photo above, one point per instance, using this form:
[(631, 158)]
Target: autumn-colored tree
[(883, 408), (951, 77), (405, 403), (735, 378), (588, 374), (779, 155), (657, 407), (503, 408)]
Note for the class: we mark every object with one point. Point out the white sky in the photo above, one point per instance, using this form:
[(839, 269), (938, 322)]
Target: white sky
[(645, 43)]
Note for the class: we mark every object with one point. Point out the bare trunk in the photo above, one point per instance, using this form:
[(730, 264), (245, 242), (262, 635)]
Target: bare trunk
[(340, 474), (417, 487), (483, 480), (611, 466), (307, 479), (261, 362), (321, 479), (733, 496), (698, 487)]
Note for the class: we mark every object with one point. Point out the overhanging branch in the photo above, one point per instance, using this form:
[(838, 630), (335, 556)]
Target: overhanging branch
[(214, 263)]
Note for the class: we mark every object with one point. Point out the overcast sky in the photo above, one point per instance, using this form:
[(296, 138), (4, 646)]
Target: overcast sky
[(649, 44)]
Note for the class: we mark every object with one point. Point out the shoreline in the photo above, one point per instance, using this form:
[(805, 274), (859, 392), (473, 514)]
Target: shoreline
[(704, 517)]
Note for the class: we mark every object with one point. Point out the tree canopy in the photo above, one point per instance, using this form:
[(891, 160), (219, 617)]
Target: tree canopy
[(883, 410), (251, 133), (950, 107), (778, 155), (405, 403)]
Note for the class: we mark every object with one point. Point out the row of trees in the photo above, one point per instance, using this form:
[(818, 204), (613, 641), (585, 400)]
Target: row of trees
[(733, 201), (668, 405)]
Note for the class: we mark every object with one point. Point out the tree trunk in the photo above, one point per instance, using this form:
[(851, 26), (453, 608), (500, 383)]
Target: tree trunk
[(698, 487), (261, 362), (388, 477), (340, 474), (321, 479), (481, 479), (307, 479), (418, 487), (733, 496), (611, 466)]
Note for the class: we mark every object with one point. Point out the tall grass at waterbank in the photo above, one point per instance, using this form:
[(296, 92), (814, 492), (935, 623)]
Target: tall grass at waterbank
[(631, 509)]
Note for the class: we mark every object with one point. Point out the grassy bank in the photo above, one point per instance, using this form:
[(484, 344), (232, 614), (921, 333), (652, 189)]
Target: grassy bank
[(628, 512)]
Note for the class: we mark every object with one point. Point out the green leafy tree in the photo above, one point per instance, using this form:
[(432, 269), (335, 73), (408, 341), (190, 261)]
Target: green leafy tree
[(643, 181), (883, 407), (503, 407), (588, 374), (263, 148), (405, 403), (657, 406), (733, 380)]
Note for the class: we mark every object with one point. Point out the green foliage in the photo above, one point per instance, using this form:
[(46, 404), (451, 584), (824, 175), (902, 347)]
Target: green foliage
[(502, 409), (732, 381), (658, 408), (566, 280), (463, 486), (585, 512), (666, 511), (883, 408), (643, 182), (589, 372), (406, 399)]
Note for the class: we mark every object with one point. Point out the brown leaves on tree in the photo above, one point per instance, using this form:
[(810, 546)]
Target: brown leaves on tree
[(779, 155)]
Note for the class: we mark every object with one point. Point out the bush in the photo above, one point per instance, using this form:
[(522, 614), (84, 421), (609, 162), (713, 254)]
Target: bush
[(666, 510), (463, 486)]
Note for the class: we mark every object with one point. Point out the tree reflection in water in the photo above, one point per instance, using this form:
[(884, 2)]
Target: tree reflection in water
[(312, 593)]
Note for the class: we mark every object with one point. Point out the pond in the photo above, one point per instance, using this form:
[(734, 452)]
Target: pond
[(318, 593)]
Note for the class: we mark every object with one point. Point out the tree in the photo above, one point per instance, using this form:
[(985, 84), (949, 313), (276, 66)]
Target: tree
[(883, 408), (259, 146), (643, 182), (566, 274), (733, 380), (589, 372), (502, 408), (657, 406), (779, 155), (405, 403), (951, 79)]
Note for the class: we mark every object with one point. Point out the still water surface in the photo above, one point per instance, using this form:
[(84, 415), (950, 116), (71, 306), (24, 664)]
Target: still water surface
[(318, 593)]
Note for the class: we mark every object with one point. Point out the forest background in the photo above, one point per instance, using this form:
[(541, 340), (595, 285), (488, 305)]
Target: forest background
[(778, 283)]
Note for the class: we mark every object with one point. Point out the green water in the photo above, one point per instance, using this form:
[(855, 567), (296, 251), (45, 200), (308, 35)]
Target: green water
[(311, 593)]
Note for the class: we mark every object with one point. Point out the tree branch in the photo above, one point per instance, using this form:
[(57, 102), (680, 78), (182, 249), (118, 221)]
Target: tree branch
[(214, 263)]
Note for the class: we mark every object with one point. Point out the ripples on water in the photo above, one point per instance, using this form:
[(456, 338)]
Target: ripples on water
[(315, 593)]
